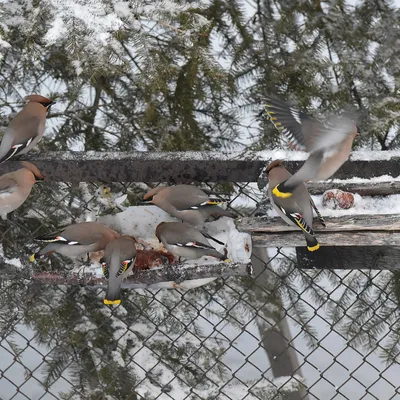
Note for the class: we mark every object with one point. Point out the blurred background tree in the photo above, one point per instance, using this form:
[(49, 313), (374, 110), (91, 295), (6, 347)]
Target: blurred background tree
[(177, 75)]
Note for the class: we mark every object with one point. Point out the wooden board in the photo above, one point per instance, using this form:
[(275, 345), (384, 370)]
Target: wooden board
[(355, 257), (351, 230), (180, 167), (363, 222), (363, 189)]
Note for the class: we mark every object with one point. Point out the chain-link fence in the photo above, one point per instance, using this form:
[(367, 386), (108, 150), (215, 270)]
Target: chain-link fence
[(282, 333)]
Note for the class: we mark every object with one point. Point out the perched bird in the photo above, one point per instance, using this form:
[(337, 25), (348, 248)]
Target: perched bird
[(75, 240), (184, 240), (188, 203), (16, 186), (117, 263), (296, 210), (27, 127), (329, 146)]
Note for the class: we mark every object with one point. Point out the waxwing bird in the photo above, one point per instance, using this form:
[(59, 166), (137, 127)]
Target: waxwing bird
[(117, 263), (16, 186), (296, 210), (187, 203), (26, 129), (184, 240), (329, 146), (75, 240)]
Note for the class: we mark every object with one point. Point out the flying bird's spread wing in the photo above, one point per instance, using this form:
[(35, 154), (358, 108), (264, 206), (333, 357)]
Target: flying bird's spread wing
[(302, 131)]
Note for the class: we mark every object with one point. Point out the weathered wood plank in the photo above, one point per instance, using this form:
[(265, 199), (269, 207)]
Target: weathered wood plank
[(363, 189), (180, 167), (349, 238), (353, 223), (349, 230), (86, 277), (172, 167), (355, 257)]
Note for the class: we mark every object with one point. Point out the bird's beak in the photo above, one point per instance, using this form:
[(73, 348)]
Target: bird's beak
[(145, 203)]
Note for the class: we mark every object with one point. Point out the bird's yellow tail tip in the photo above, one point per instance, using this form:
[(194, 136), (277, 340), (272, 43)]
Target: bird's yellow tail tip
[(32, 258), (278, 193), (227, 260), (110, 302), (214, 202), (313, 248)]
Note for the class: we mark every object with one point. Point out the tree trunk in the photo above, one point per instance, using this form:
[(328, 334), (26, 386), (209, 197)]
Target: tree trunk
[(277, 339)]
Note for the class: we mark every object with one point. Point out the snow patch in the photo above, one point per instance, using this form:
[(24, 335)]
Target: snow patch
[(78, 67), (141, 222), (369, 155), (364, 205)]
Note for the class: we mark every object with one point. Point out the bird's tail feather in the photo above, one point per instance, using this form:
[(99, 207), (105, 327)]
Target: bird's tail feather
[(113, 294), (312, 242)]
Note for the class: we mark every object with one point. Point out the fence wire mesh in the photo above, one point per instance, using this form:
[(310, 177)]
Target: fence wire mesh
[(283, 333)]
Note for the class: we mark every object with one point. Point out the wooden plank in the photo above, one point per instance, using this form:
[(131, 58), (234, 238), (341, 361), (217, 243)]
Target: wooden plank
[(355, 257), (169, 273), (172, 167), (363, 189), (350, 238), (180, 167), (349, 230), (353, 223)]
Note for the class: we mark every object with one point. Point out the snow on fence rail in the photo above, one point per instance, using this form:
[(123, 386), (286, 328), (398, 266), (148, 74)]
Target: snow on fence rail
[(179, 167)]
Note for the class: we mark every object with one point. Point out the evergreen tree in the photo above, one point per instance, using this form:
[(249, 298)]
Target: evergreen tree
[(174, 75)]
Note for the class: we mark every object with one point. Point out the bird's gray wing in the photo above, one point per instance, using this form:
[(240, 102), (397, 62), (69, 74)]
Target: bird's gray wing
[(297, 218), (7, 186), (302, 131), (188, 238), (20, 136), (65, 237)]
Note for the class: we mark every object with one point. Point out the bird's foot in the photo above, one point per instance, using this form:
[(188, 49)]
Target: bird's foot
[(87, 262)]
